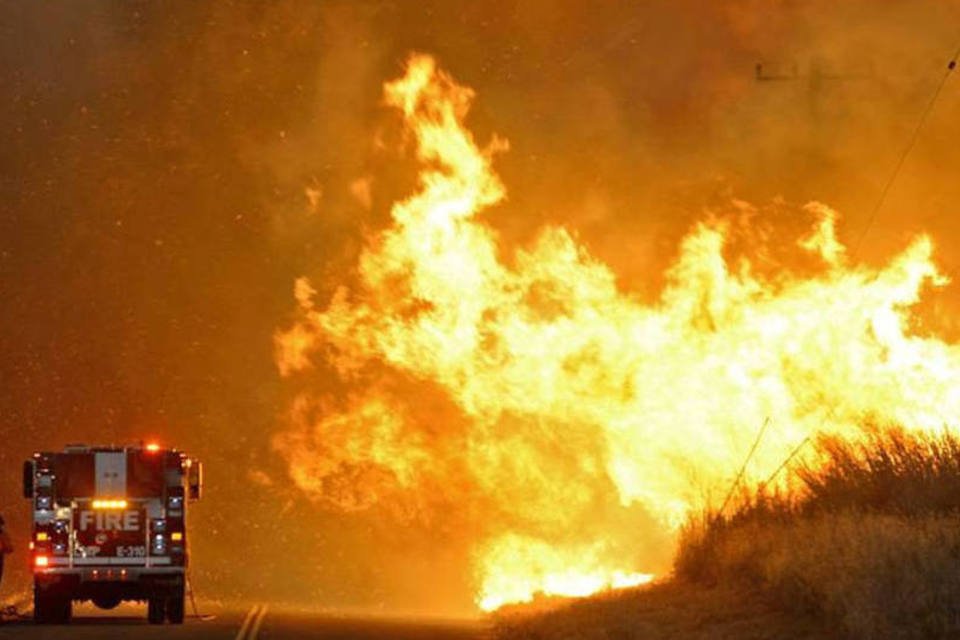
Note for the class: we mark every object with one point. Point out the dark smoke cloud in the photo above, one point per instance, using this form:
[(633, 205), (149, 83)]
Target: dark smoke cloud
[(154, 175)]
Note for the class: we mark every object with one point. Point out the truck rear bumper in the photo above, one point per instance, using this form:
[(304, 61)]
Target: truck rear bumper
[(58, 562), (107, 573), (131, 583)]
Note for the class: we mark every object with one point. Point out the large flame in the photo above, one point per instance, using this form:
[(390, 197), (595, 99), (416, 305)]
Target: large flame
[(567, 422)]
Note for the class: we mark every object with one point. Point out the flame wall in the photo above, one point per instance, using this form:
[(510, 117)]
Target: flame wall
[(589, 424)]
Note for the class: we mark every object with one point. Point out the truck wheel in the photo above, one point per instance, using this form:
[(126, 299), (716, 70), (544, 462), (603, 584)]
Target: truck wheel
[(175, 607), (155, 610), (65, 610), (42, 609), (51, 607)]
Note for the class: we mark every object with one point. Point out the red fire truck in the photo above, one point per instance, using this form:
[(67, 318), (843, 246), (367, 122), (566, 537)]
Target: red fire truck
[(109, 525)]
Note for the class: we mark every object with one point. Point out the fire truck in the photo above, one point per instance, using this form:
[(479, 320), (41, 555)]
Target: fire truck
[(109, 525)]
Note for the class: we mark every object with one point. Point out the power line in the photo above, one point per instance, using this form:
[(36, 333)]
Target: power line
[(795, 451), (783, 464), (951, 65), (743, 468)]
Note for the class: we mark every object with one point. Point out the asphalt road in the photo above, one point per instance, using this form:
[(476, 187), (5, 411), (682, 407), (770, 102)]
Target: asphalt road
[(257, 622)]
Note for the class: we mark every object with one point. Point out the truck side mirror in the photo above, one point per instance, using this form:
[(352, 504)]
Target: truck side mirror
[(28, 473), (195, 480)]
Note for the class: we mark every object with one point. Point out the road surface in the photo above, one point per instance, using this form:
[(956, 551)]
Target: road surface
[(256, 622)]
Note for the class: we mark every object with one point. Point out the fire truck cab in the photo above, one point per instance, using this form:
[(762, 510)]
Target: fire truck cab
[(109, 525)]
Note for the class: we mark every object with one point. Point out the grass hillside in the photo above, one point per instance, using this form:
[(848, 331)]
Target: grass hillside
[(867, 546), (674, 610)]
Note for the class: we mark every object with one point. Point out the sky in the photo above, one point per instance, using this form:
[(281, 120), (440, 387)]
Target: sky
[(168, 170)]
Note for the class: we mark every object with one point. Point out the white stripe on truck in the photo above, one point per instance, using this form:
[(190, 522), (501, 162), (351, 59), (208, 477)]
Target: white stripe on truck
[(106, 560)]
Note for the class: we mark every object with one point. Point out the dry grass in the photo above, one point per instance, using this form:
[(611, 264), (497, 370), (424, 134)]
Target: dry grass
[(890, 471), (870, 542), (867, 547), (874, 575)]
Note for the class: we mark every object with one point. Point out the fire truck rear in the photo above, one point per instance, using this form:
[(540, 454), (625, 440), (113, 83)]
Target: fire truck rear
[(109, 525)]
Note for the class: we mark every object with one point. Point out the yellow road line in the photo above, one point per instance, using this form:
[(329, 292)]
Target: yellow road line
[(247, 621), (255, 629)]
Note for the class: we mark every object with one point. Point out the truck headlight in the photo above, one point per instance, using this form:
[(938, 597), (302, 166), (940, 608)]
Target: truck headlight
[(44, 502)]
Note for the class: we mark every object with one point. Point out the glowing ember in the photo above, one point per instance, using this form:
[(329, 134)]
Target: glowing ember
[(569, 425)]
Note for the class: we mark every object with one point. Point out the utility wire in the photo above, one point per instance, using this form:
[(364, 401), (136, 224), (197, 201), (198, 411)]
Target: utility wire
[(743, 467), (951, 65), (794, 452), (783, 464)]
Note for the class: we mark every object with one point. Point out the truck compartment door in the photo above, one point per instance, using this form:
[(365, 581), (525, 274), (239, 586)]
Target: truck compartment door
[(28, 475), (111, 474)]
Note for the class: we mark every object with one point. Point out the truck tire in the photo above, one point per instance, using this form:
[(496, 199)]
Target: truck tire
[(66, 610), (155, 609), (42, 609), (175, 607), (51, 607)]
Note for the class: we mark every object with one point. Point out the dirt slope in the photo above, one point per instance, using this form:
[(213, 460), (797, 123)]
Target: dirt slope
[(671, 610)]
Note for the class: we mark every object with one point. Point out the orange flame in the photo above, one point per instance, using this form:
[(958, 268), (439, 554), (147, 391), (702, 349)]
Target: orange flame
[(582, 425)]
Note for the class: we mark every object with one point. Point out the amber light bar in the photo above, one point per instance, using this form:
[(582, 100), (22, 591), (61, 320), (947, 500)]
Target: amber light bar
[(109, 504)]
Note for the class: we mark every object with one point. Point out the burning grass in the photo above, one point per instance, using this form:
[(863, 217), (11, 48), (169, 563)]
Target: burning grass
[(867, 545)]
